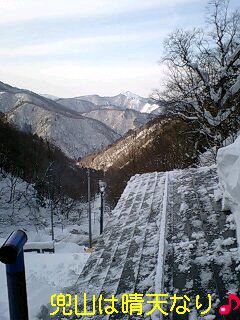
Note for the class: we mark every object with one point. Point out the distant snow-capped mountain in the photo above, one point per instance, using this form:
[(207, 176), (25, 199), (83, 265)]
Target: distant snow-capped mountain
[(73, 133), (78, 126), (126, 100), (121, 113)]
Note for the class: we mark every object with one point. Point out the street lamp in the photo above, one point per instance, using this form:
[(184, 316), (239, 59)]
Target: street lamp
[(102, 187)]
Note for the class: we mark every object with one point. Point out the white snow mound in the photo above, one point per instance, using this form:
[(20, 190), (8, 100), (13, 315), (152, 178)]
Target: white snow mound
[(228, 163)]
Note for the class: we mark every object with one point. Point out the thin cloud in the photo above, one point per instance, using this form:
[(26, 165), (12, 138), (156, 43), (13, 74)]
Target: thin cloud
[(13, 11), (82, 44), (43, 51)]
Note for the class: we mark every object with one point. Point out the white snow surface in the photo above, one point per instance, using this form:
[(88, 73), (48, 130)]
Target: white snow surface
[(149, 108), (228, 160), (159, 277), (228, 163), (46, 274)]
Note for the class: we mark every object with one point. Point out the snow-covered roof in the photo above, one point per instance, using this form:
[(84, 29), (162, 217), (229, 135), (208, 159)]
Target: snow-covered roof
[(164, 236)]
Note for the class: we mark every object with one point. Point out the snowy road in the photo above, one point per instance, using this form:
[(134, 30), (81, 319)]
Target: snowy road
[(166, 235)]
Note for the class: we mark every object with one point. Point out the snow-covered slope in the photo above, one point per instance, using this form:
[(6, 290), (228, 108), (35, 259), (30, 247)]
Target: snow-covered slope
[(78, 104), (120, 121), (45, 273), (121, 113), (149, 108), (95, 99), (120, 151), (74, 134), (126, 100)]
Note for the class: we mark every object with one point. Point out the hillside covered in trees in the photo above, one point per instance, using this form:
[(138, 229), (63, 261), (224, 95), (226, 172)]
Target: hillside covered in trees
[(42, 164)]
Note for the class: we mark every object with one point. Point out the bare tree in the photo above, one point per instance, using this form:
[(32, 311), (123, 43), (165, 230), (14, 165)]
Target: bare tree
[(203, 78)]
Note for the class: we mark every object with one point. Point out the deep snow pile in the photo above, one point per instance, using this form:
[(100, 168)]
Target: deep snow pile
[(228, 163), (228, 160)]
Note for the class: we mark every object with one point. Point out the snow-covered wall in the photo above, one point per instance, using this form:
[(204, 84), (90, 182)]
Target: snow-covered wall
[(228, 162)]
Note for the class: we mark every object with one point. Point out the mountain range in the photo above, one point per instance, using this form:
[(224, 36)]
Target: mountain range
[(125, 100), (122, 101), (78, 126)]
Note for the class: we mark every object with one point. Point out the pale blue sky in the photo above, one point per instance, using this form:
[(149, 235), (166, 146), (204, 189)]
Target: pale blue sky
[(75, 47)]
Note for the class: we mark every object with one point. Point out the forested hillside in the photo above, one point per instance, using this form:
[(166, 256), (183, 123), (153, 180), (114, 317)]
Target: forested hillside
[(27, 156), (161, 145)]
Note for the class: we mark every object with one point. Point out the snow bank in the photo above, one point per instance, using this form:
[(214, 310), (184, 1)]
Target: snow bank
[(228, 162)]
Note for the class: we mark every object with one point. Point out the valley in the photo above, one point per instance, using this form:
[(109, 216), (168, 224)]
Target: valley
[(78, 126)]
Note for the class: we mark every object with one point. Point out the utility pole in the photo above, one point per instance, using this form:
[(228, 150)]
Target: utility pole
[(102, 186), (89, 208)]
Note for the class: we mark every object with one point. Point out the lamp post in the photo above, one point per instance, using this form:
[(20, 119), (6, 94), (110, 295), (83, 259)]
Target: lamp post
[(102, 186)]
